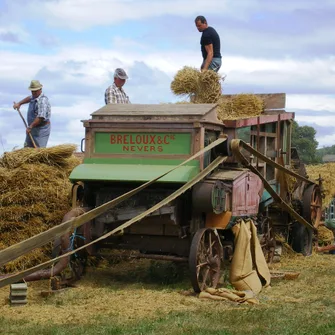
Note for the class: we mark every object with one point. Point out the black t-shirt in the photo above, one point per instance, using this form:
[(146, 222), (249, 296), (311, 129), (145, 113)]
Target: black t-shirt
[(210, 36)]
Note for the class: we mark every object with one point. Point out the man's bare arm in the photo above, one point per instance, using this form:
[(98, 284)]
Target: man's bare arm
[(17, 105), (209, 49), (35, 123)]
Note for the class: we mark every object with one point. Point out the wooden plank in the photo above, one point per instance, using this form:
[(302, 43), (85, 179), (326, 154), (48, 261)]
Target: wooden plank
[(274, 100), (271, 100), (154, 109), (253, 121)]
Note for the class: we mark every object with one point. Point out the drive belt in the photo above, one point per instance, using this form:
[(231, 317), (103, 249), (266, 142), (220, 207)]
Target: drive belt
[(41, 239)]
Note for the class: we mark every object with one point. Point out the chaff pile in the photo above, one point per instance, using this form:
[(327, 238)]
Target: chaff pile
[(327, 172), (325, 235), (205, 87), (34, 196)]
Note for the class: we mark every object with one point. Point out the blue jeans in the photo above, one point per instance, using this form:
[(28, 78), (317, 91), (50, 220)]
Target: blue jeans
[(214, 65)]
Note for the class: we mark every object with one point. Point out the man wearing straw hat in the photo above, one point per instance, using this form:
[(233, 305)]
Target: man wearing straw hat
[(210, 45), (115, 93), (38, 116)]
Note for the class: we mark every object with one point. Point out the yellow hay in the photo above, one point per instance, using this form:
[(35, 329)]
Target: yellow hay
[(185, 81), (203, 87), (325, 235), (327, 172), (209, 88), (239, 106), (56, 155), (34, 196)]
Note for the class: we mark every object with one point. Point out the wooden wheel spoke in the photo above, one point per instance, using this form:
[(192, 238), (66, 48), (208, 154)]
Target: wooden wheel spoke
[(202, 264), (210, 244), (204, 279), (315, 206), (213, 243)]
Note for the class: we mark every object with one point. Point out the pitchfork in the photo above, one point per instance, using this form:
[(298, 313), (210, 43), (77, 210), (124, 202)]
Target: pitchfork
[(25, 123)]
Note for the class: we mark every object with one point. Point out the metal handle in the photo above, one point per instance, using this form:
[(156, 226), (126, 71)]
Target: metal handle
[(81, 145), (25, 123)]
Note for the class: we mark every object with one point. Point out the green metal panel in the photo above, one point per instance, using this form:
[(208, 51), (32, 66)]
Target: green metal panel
[(132, 172), (142, 143), (267, 199), (138, 161)]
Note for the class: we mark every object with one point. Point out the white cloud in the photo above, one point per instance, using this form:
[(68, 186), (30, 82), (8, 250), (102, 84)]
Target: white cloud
[(76, 76), (317, 102), (327, 140), (83, 14)]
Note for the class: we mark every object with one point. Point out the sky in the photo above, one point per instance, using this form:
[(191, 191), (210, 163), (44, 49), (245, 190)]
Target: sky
[(73, 47)]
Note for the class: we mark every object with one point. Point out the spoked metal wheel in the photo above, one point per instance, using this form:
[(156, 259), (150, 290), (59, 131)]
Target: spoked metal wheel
[(312, 205), (205, 259)]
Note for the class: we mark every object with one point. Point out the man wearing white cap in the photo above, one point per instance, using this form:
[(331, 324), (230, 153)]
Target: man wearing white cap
[(115, 94), (38, 115)]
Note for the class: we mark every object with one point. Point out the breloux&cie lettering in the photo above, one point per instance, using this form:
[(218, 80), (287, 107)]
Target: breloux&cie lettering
[(142, 142)]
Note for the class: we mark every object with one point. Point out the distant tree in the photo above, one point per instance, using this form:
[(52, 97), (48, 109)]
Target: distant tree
[(303, 138), (325, 151)]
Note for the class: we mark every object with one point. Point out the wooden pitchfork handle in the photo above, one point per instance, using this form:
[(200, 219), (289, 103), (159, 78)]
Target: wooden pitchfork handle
[(25, 123)]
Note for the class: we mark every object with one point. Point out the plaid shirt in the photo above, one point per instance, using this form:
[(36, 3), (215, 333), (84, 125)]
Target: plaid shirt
[(116, 95), (39, 107)]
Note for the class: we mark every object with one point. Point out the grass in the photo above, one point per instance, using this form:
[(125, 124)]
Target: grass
[(143, 297)]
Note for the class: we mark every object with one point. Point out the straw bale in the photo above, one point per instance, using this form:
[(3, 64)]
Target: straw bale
[(203, 87), (185, 81), (35, 196), (209, 88), (240, 106), (327, 172), (56, 155)]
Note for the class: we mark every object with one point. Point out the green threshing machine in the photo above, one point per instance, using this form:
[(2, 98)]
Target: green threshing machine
[(170, 180), (197, 203)]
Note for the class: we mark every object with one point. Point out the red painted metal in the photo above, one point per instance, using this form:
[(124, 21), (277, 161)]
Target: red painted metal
[(254, 120), (246, 194)]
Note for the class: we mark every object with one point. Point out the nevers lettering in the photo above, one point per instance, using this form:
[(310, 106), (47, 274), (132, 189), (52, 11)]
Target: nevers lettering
[(142, 148)]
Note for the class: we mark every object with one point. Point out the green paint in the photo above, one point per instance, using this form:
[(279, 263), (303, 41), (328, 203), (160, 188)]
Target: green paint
[(138, 161), (132, 172), (142, 143)]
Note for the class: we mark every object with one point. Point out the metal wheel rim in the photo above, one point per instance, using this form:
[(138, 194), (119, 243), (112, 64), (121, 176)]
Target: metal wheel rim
[(205, 259)]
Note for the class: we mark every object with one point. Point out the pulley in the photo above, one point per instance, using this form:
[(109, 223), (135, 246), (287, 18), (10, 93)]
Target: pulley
[(209, 197)]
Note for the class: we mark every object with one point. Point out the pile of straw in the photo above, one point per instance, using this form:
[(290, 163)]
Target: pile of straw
[(34, 196), (327, 172), (325, 235), (239, 106), (201, 87), (205, 87), (186, 81)]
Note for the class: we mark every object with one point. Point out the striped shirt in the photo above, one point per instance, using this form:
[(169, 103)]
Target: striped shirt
[(116, 95)]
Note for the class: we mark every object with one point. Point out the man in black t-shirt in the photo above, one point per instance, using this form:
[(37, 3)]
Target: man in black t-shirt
[(210, 45)]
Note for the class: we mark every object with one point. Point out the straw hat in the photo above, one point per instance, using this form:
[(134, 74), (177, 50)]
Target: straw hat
[(35, 85)]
